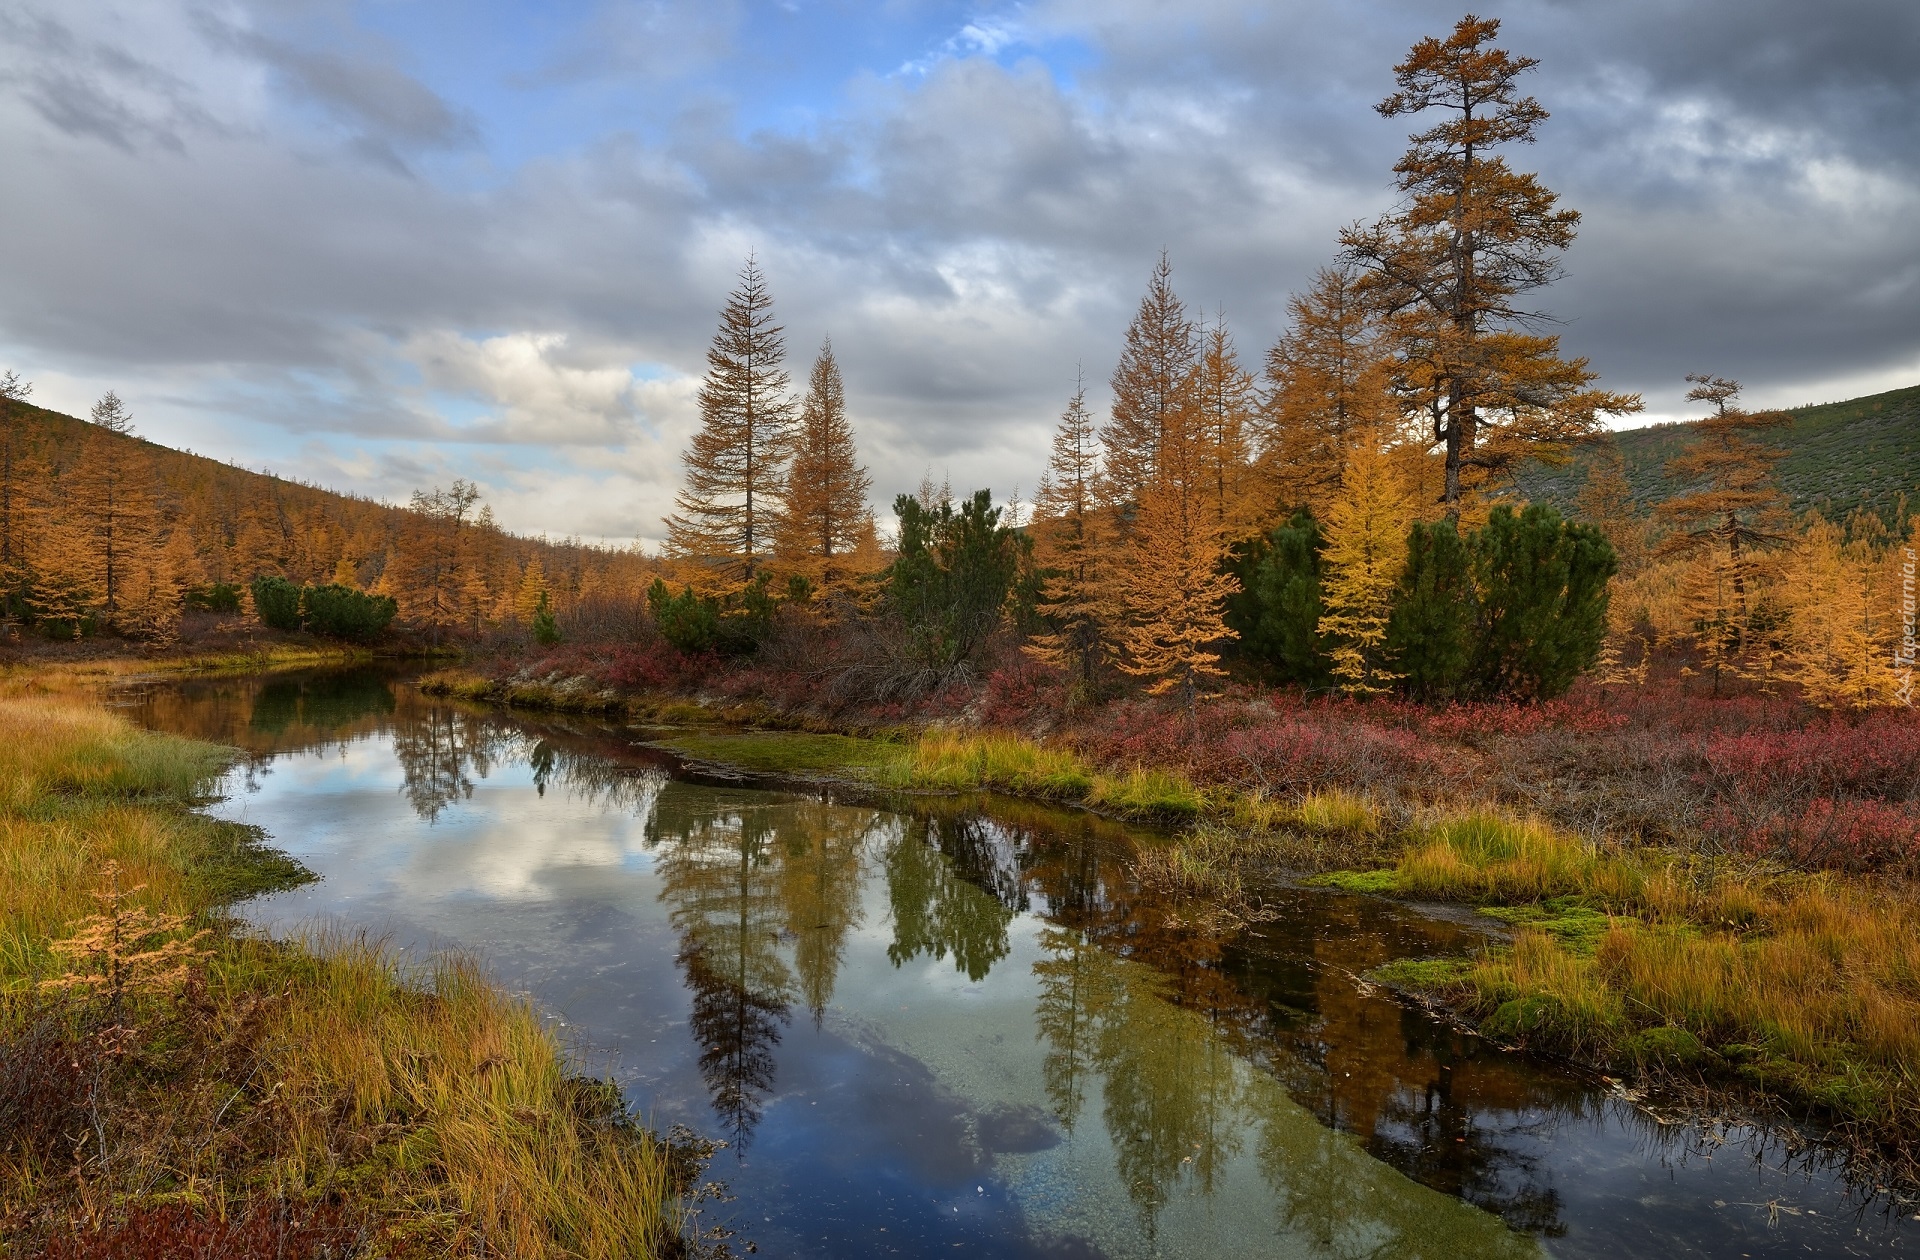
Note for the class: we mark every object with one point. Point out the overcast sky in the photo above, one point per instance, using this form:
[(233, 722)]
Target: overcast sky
[(378, 245)]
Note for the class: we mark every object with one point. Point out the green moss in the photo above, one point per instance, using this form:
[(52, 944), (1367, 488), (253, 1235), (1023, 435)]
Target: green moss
[(784, 752), (1379, 883), (1664, 1045), (1422, 974), (1571, 921)]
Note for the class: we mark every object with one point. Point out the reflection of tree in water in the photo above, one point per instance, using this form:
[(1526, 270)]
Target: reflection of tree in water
[(954, 889), (1178, 1106), (719, 872), (820, 851), (1170, 1088), (442, 751), (592, 777)]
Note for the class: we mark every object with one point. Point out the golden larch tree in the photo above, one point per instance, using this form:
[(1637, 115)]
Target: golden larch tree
[(16, 474), (1327, 377), (532, 589), (1727, 522), (1366, 550), (824, 513), (1071, 548), (1836, 645), (1225, 400), (1450, 266), (1151, 385), (1173, 592), (736, 462), (108, 497)]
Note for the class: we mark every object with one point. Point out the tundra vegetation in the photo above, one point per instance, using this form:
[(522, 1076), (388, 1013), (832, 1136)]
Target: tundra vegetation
[(1304, 605)]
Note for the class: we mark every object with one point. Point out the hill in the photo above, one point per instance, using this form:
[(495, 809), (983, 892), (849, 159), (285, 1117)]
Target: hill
[(181, 525), (1864, 452)]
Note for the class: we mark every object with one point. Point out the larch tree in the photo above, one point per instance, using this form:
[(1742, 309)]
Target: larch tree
[(824, 514), (1224, 398), (1174, 592), (1071, 550), (1727, 521), (736, 462), (1606, 500), (1833, 650), (1152, 384), (14, 393), (1366, 550), (1327, 377), (1450, 266), (108, 497), (532, 590)]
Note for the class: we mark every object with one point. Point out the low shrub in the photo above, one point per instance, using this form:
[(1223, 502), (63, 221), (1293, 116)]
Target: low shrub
[(276, 602), (340, 612)]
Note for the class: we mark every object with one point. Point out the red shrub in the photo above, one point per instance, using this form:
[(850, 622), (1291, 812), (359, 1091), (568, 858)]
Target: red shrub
[(175, 1232)]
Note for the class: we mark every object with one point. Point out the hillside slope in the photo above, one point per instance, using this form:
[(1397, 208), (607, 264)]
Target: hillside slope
[(1864, 452), (197, 521)]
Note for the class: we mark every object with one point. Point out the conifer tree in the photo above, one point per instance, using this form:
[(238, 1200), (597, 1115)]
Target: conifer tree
[(1366, 550), (108, 496), (1224, 400), (1070, 547), (1328, 377), (1606, 502), (1450, 266), (14, 392), (1175, 592), (824, 515), (533, 589), (1833, 650), (1151, 385), (736, 462)]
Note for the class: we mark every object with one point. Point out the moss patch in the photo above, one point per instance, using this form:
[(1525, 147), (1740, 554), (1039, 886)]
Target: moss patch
[(1569, 920), (1379, 883), (783, 752)]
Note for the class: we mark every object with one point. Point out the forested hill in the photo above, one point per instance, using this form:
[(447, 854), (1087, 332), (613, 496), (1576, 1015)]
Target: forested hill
[(1861, 453), (73, 494)]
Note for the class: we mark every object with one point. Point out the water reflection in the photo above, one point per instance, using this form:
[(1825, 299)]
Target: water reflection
[(947, 1001)]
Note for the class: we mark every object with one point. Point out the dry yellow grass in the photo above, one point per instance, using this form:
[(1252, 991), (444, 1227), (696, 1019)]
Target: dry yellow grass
[(432, 1105)]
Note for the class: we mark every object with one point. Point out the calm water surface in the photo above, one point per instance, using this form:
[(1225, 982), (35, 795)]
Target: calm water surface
[(953, 1027)]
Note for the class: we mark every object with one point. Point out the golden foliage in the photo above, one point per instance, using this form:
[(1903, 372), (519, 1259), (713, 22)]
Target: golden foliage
[(1175, 593), (1449, 266), (1152, 385), (1072, 548), (1366, 530), (824, 517)]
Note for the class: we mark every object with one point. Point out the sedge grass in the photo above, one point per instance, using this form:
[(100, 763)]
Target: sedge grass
[(1805, 986)]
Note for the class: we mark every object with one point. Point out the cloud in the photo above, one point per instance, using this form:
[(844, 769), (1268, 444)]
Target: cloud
[(316, 235)]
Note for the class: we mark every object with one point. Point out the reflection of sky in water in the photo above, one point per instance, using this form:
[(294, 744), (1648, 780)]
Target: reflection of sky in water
[(908, 1061)]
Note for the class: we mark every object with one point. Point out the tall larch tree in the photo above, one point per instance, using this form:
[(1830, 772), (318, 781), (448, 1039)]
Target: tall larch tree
[(1152, 384), (1449, 267), (1174, 592), (108, 495), (1833, 650), (824, 513), (1366, 550), (1071, 551), (1327, 377), (736, 462), (1224, 397), (14, 477), (1726, 523)]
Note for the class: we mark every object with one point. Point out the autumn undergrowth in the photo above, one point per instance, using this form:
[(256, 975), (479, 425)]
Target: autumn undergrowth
[(165, 1075), (1804, 986)]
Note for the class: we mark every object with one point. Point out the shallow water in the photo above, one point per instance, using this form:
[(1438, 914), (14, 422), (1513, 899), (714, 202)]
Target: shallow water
[(956, 1027)]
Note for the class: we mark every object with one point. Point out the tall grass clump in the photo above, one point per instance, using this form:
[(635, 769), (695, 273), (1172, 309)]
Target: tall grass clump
[(1484, 855), (953, 761)]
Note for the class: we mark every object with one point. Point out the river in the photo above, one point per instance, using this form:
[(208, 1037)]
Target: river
[(949, 1026)]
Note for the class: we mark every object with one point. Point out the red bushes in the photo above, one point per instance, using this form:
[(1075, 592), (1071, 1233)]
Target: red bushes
[(174, 1232)]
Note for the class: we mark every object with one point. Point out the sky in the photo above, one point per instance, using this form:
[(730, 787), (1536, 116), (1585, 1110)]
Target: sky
[(380, 244)]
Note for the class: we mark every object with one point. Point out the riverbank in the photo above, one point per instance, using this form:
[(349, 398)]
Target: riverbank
[(1637, 935), (169, 1081)]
